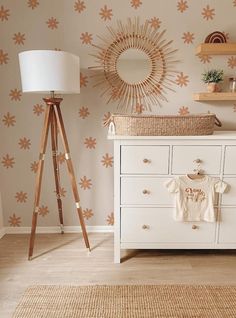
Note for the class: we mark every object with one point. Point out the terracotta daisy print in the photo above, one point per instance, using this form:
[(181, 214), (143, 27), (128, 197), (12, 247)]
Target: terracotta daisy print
[(107, 161), (3, 57), (61, 158), (234, 108), (182, 80), (8, 162), (90, 143), (9, 120), (86, 38), (79, 6), (4, 13), (38, 109), (208, 13), (19, 38), (21, 197), (136, 3), (52, 23), (14, 220), (234, 3), (155, 23), (183, 111), (110, 219), (205, 58), (15, 94), (182, 6), (188, 37), (85, 183), (34, 166), (84, 112), (33, 4), (43, 210), (232, 61), (24, 143), (87, 213), (105, 13), (226, 34), (83, 80), (62, 192)]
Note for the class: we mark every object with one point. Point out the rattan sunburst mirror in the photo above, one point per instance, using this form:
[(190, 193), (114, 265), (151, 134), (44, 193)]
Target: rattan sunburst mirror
[(135, 65)]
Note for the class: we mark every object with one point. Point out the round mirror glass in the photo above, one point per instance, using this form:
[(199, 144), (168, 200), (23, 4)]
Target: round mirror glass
[(133, 66)]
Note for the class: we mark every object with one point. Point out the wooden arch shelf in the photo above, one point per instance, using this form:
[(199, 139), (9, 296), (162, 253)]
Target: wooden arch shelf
[(216, 49)]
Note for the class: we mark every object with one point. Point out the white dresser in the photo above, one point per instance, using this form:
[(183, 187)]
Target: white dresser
[(144, 208)]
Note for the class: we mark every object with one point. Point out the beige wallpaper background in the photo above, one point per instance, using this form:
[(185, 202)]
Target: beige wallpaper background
[(72, 26)]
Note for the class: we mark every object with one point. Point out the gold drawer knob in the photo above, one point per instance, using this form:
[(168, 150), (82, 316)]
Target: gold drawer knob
[(146, 160), (145, 227), (146, 191), (194, 227), (197, 160)]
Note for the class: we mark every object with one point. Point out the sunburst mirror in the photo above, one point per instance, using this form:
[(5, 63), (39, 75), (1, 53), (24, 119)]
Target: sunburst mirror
[(135, 65)]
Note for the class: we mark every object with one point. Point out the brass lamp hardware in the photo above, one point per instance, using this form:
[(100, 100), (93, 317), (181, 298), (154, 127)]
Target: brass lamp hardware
[(146, 160), (146, 191), (145, 227), (194, 227)]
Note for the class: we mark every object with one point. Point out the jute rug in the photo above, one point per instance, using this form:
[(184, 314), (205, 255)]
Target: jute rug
[(128, 302)]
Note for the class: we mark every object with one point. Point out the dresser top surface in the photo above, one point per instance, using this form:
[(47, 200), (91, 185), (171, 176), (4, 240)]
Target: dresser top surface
[(223, 135)]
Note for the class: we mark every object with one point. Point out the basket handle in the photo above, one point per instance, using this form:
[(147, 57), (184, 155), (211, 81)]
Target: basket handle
[(218, 122)]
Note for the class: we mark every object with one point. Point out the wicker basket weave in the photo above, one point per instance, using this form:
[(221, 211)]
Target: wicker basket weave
[(152, 125)]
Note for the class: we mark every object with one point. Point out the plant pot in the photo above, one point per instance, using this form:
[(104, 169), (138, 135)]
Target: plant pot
[(213, 87)]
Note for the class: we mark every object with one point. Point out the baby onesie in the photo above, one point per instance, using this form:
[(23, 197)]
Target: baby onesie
[(195, 197)]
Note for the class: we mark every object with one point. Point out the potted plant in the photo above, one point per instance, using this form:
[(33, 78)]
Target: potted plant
[(212, 78)]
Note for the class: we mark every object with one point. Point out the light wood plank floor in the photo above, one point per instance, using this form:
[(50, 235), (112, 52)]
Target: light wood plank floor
[(62, 259)]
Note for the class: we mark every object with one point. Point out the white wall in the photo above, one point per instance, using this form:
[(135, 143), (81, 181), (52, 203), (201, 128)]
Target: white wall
[(22, 123), (2, 231)]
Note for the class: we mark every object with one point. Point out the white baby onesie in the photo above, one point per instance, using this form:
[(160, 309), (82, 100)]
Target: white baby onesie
[(195, 197)]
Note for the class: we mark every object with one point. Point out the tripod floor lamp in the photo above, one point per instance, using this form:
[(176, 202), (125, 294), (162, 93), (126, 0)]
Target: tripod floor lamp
[(46, 71)]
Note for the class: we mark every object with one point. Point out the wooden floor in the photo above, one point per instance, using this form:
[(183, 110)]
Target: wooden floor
[(62, 259)]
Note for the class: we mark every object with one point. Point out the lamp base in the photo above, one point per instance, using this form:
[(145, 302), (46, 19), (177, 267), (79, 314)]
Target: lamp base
[(53, 119)]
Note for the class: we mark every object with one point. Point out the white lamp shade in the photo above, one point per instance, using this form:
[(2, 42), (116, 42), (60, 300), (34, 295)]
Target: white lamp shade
[(45, 71)]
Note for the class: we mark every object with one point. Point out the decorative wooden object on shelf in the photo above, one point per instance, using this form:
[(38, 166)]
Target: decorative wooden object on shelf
[(223, 96), (216, 37), (152, 88), (216, 49)]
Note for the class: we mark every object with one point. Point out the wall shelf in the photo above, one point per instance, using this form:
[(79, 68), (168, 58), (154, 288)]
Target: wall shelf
[(224, 96), (216, 49)]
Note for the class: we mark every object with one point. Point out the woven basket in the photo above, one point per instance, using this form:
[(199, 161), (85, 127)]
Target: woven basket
[(152, 125)]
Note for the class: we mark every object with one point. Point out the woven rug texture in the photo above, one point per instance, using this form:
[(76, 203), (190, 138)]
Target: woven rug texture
[(128, 301)]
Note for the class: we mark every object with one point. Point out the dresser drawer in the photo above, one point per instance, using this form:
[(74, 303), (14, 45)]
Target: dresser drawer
[(144, 159), (153, 225), (183, 158), (230, 160), (145, 190), (229, 197), (227, 233)]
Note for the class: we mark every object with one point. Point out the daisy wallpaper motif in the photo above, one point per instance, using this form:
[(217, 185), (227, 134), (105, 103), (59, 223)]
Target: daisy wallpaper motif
[(73, 26)]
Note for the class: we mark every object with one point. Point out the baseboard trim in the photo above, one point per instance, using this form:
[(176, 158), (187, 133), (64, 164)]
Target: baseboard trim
[(56, 229), (2, 232)]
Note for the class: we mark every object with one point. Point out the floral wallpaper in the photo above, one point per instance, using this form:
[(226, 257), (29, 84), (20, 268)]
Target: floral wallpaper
[(73, 26)]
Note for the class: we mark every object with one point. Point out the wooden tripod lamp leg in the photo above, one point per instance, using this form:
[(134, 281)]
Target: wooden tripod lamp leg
[(71, 172), (56, 166), (43, 146)]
